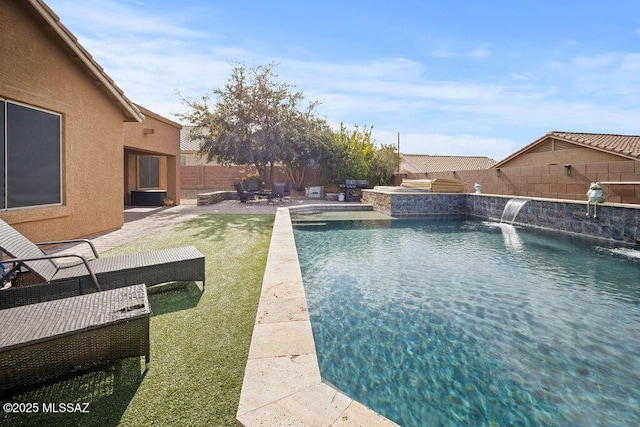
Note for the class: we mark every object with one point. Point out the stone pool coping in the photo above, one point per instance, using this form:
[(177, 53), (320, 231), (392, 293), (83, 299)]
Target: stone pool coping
[(282, 383)]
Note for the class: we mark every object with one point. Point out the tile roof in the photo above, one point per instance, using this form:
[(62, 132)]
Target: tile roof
[(622, 145), (186, 143), (627, 145), (426, 163)]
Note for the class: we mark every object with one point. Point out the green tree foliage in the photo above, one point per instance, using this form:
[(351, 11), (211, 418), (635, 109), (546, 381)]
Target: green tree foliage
[(385, 165), (352, 154), (255, 120), (310, 139)]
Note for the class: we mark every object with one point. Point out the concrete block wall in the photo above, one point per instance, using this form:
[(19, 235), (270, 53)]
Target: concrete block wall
[(550, 181), (215, 177)]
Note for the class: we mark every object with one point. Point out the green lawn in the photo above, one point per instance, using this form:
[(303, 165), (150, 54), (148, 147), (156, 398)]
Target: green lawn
[(199, 341)]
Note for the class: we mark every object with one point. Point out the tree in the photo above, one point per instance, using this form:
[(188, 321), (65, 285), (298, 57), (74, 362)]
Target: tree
[(309, 140), (385, 165), (353, 155), (257, 121)]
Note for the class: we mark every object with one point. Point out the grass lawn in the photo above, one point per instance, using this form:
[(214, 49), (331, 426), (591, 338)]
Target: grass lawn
[(199, 341)]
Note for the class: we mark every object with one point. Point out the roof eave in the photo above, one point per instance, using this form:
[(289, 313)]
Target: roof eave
[(132, 113), (555, 135)]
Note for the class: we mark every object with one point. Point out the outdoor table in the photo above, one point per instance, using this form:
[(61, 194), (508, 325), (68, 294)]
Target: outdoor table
[(262, 193), (42, 340)]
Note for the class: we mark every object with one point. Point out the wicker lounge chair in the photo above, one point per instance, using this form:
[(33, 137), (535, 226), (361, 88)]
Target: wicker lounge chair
[(58, 279), (41, 341)]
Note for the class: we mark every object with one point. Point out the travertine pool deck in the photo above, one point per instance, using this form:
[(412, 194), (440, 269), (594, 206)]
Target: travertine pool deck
[(282, 383)]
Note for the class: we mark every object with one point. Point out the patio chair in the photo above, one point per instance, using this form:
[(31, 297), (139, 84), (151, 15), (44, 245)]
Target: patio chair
[(66, 275), (287, 192), (252, 186), (243, 196), (277, 193)]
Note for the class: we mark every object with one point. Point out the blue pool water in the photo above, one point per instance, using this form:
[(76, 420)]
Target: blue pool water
[(463, 322)]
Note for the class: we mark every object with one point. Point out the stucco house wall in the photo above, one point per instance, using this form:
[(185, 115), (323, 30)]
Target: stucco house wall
[(561, 156), (157, 136), (38, 69)]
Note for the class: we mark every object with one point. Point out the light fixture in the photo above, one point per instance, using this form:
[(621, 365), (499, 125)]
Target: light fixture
[(567, 170), (498, 172)]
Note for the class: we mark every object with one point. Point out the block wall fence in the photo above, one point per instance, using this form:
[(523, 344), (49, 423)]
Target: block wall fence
[(217, 178), (550, 181)]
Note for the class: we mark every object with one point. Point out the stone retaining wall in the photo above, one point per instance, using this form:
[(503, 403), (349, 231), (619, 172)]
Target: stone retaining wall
[(613, 221)]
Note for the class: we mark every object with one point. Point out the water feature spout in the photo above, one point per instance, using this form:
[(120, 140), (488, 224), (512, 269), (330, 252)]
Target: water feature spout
[(512, 209)]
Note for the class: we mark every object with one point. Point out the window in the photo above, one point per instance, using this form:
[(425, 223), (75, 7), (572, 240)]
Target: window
[(31, 159), (149, 171)]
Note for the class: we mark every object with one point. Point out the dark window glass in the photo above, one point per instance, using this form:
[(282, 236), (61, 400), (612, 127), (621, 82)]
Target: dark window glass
[(149, 171), (32, 168)]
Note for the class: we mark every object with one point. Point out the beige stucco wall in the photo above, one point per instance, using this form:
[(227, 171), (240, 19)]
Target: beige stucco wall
[(158, 136), (550, 181), (561, 157), (35, 69)]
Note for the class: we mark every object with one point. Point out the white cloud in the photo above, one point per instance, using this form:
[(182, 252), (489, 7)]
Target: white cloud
[(477, 53), (153, 57), (592, 62)]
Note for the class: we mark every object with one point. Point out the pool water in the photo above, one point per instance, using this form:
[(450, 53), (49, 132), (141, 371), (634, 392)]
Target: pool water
[(464, 322)]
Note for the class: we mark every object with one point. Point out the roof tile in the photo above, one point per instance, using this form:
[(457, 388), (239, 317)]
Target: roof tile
[(426, 163), (628, 145)]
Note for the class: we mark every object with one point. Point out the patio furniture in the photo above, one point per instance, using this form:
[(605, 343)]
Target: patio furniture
[(243, 196), (148, 197), (51, 278), (252, 186), (277, 193), (45, 340), (287, 192)]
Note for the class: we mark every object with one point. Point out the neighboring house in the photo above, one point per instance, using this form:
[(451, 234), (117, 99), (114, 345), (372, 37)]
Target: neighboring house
[(561, 165), (559, 148), (69, 135), (425, 163), (189, 149)]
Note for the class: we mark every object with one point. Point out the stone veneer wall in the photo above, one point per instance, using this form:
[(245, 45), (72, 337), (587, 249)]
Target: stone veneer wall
[(613, 222)]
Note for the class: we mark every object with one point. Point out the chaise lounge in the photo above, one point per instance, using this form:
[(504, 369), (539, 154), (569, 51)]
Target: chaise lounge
[(56, 277), (45, 340)]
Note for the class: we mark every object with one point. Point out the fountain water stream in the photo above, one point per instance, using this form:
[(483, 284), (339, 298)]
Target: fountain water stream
[(511, 210)]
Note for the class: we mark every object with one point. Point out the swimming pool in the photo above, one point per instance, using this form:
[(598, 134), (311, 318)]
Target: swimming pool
[(433, 321)]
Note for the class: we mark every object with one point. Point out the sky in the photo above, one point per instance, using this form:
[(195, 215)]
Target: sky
[(455, 77)]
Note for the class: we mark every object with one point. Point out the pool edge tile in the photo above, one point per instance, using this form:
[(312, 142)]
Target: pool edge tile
[(282, 383)]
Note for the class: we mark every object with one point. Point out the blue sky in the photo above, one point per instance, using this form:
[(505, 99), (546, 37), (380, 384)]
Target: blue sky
[(454, 77)]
